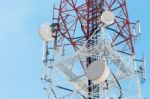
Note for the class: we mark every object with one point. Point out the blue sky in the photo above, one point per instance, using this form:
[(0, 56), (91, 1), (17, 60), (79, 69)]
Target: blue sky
[(21, 47)]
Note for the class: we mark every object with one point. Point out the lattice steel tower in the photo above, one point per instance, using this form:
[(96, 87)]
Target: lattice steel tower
[(89, 51)]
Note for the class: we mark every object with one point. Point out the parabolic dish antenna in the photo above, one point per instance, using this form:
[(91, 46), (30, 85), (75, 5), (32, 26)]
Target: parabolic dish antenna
[(108, 17), (97, 72), (45, 32)]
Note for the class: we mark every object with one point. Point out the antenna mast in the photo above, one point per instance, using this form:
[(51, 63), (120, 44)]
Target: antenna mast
[(89, 51)]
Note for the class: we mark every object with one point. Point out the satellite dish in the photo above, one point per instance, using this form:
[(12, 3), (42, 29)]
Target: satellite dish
[(45, 32), (97, 72), (108, 17)]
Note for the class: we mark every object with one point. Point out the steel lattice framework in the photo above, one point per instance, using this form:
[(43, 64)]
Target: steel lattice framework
[(87, 14), (80, 38)]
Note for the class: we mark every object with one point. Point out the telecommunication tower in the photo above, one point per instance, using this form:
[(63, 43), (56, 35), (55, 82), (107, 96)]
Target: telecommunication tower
[(88, 51)]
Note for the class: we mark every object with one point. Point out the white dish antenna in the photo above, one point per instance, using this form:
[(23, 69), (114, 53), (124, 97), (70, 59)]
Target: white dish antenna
[(45, 32), (108, 17), (98, 72)]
